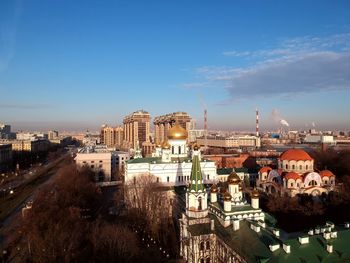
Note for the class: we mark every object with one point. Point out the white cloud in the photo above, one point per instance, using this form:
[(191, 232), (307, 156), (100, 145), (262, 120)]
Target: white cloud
[(299, 65)]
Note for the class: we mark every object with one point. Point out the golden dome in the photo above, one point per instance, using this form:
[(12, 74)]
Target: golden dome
[(214, 188), (177, 133), (233, 178), (227, 196), (166, 145), (255, 194)]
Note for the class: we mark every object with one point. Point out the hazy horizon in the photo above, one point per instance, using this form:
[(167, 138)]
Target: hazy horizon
[(75, 65)]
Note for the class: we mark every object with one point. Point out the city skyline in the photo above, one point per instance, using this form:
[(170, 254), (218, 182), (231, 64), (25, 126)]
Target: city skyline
[(77, 65)]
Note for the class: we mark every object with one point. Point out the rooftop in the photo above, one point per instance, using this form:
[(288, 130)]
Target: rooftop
[(159, 160), (258, 248)]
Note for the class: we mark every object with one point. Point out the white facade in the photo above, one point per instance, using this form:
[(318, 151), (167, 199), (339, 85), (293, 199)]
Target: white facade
[(171, 163), (173, 173), (231, 142), (103, 161)]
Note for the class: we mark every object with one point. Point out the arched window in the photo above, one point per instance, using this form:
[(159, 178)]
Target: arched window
[(306, 167), (179, 150), (300, 167), (200, 204), (293, 166), (208, 245), (286, 166), (201, 247), (172, 149), (312, 183), (207, 260), (202, 260)]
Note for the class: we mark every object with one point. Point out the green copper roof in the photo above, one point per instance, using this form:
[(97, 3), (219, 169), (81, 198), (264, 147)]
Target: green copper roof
[(196, 175)]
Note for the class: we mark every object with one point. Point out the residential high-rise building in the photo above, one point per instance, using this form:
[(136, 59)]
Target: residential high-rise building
[(112, 136), (136, 128), (165, 122)]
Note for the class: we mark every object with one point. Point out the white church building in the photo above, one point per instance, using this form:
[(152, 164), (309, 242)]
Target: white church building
[(171, 163)]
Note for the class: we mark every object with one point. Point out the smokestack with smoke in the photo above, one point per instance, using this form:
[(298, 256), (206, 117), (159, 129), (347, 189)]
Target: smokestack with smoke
[(284, 122), (278, 118)]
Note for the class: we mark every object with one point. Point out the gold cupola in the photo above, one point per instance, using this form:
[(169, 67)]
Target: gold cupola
[(233, 178), (177, 133)]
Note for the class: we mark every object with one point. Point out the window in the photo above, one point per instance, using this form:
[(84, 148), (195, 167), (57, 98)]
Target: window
[(179, 149), (100, 161), (157, 179), (92, 161), (306, 167), (300, 167), (312, 183), (100, 166), (201, 247), (172, 149), (92, 166), (208, 177), (167, 179), (291, 184), (202, 260), (208, 245), (293, 166), (200, 205), (208, 260), (286, 166)]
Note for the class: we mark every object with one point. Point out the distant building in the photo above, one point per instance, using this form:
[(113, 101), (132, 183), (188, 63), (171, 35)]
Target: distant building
[(232, 160), (136, 128), (245, 141), (51, 135), (61, 140), (105, 162), (112, 136), (5, 156), (295, 175), (194, 134), (5, 132), (32, 145), (163, 123)]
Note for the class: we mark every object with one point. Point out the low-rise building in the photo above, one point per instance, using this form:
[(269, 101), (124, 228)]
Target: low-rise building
[(105, 162)]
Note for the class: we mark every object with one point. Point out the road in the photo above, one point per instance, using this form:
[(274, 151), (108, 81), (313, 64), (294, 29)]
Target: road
[(9, 223)]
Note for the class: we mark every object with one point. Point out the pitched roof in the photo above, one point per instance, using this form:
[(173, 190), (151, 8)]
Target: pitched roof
[(196, 177)]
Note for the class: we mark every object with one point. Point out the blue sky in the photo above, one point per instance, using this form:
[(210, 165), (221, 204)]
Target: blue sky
[(73, 65)]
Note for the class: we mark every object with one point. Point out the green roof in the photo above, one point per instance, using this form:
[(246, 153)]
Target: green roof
[(196, 175), (254, 247), (236, 208), (223, 171)]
